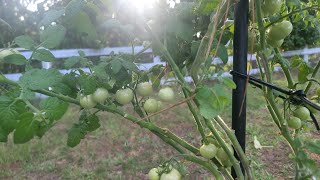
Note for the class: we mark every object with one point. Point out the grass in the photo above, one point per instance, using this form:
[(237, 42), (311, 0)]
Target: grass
[(122, 150)]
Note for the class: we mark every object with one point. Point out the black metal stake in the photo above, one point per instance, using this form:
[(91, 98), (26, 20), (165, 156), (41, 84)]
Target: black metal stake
[(240, 51)]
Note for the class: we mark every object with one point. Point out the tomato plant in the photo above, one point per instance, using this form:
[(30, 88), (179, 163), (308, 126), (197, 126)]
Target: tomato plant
[(187, 37)]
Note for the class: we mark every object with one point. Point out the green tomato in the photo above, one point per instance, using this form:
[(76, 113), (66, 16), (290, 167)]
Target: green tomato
[(153, 174), (294, 123), (124, 96), (144, 89), (302, 112), (208, 151), (280, 30), (100, 95), (166, 94), (159, 105), (270, 7), (151, 105), (275, 44), (222, 155), (87, 102), (172, 175), (6, 52)]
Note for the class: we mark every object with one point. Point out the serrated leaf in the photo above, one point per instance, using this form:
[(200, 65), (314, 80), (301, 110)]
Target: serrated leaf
[(16, 59), (304, 71), (8, 116), (129, 65), (35, 79), (296, 61), (43, 55), (313, 146), (212, 101), (26, 94), (228, 82), (92, 123), (72, 61), (88, 84), (75, 135), (116, 65), (50, 16), (54, 108), (26, 128), (25, 42), (52, 36), (74, 7)]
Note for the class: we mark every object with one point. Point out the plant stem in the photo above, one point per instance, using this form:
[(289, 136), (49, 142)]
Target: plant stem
[(314, 73), (285, 69), (236, 146), (222, 143)]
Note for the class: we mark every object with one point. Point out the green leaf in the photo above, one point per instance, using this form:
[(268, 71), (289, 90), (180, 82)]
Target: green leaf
[(54, 108), (81, 24), (212, 101), (35, 79), (88, 84), (25, 42), (26, 128), (304, 71), (92, 123), (223, 53), (116, 65), (74, 7), (16, 59), (296, 61), (75, 135), (129, 65), (313, 146), (206, 7), (50, 16), (8, 116), (72, 61), (181, 29), (52, 36), (43, 55), (228, 82)]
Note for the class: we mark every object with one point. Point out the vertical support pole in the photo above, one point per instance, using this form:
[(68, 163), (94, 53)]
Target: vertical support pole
[(240, 53)]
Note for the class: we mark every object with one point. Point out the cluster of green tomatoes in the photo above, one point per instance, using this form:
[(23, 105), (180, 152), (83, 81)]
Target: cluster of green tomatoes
[(167, 173), (302, 114), (126, 95)]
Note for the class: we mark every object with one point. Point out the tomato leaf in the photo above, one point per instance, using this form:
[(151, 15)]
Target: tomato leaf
[(16, 59), (228, 82), (116, 65), (304, 71), (54, 108), (92, 123), (72, 61), (296, 61), (52, 36), (88, 84), (50, 16), (75, 135), (26, 128), (25, 42), (43, 55), (35, 79), (313, 146)]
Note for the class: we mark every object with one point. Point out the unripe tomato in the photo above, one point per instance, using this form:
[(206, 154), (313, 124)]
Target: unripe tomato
[(144, 89), (100, 95), (166, 94), (270, 7), (87, 102), (6, 52), (159, 105), (208, 151), (153, 174), (302, 112), (124, 96), (172, 175), (280, 30), (294, 122), (151, 105), (222, 155), (275, 44)]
